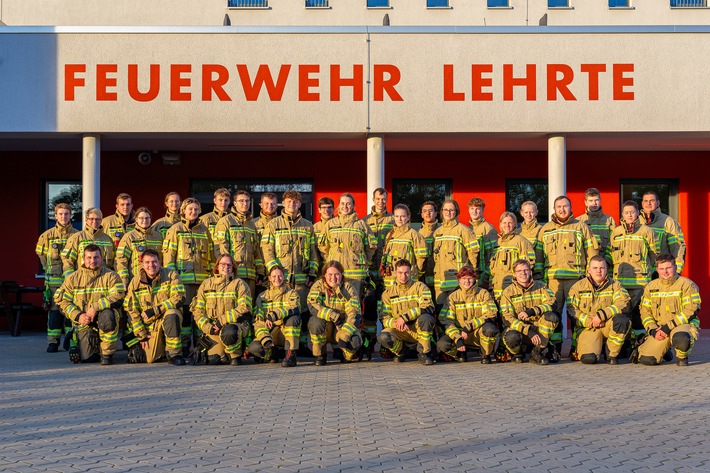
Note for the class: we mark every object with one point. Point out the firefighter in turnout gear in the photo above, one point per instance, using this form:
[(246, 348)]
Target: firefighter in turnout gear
[(486, 236), (350, 241), (633, 253), (469, 320), (526, 308), (669, 312), (154, 299), (530, 229), (600, 224), (288, 241), (134, 243), (222, 310), (568, 245), (172, 214), (237, 237), (509, 248), (455, 246), (407, 316), (122, 221), (222, 198), (269, 205), (49, 249), (88, 297), (277, 321), (326, 207), (188, 250), (599, 305), (669, 235), (92, 234), (335, 316), (403, 242), (429, 225)]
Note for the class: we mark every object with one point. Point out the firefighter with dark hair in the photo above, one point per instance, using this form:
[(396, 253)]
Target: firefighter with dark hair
[(154, 301), (469, 319), (89, 298), (172, 214), (526, 307), (599, 305), (429, 225), (92, 234), (335, 316), (222, 198), (277, 321), (122, 221), (669, 312), (49, 250), (134, 243), (407, 316), (222, 310)]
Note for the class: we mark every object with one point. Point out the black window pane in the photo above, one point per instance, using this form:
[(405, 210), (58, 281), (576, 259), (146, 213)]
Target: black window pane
[(667, 189), (62, 193), (518, 191), (414, 192)]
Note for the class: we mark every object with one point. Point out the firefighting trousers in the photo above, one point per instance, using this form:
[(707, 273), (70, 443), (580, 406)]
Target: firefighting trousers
[(483, 338), (682, 338), (165, 336), (591, 340), (419, 332), (347, 337)]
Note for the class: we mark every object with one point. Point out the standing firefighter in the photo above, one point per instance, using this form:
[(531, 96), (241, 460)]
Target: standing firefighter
[(221, 200), (154, 301), (526, 307), (669, 235), (350, 241), (530, 229), (469, 320), (277, 321), (599, 305), (407, 316), (89, 298), (172, 214), (669, 312), (288, 241), (188, 250), (237, 237), (335, 316), (222, 310), (429, 226), (49, 249), (134, 243), (509, 248), (455, 246), (486, 236), (92, 234), (402, 242), (326, 207), (122, 221), (600, 224)]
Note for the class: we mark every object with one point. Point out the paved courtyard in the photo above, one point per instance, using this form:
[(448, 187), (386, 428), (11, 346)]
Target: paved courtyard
[(377, 416)]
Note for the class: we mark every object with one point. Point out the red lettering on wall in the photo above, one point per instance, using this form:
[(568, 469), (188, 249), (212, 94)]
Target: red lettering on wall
[(620, 81), (559, 84), (211, 84), (337, 82), (306, 82), (478, 82), (153, 85), (529, 82), (71, 81), (449, 94), (103, 82), (381, 85), (593, 70), (178, 82), (263, 78)]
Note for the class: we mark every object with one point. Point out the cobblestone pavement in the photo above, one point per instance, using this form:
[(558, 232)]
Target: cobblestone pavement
[(377, 416)]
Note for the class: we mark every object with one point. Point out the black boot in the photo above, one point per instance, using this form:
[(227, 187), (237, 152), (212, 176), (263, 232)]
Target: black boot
[(106, 360), (537, 357), (290, 359), (176, 360), (321, 361), (53, 348)]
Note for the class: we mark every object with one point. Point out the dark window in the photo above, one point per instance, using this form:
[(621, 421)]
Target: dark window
[(518, 191), (203, 190), (667, 190), (688, 3), (61, 192), (414, 192), (248, 3), (377, 3), (437, 3), (557, 3), (497, 3)]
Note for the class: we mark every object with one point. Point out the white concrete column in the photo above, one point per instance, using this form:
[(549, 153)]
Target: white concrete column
[(375, 164), (90, 172), (556, 169)]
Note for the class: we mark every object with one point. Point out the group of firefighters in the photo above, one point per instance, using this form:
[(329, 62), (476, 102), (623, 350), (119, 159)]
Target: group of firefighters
[(222, 287)]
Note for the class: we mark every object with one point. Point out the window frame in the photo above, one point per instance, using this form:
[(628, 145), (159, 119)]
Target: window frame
[(447, 5), (233, 184), (542, 207), (376, 7), (498, 7), (628, 5), (47, 214), (685, 7), (322, 5), (671, 208), (233, 5), (567, 6), (416, 213)]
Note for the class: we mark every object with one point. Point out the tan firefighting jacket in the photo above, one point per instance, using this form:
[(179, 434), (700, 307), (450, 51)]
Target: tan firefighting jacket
[(487, 237), (633, 253), (536, 299), (467, 310), (222, 299), (163, 224), (455, 245), (328, 303), (508, 249), (350, 241), (131, 248), (187, 249), (380, 224), (74, 249), (116, 225), (531, 231), (601, 225), (408, 301), (427, 231), (288, 241), (587, 300), (49, 250), (154, 297), (210, 221), (403, 243), (84, 288), (237, 237), (568, 247), (669, 235), (671, 302)]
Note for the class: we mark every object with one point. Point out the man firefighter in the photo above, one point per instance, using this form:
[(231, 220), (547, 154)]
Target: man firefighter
[(121, 222), (154, 302)]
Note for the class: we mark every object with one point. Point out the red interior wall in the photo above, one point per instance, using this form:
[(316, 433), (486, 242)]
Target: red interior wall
[(480, 174)]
